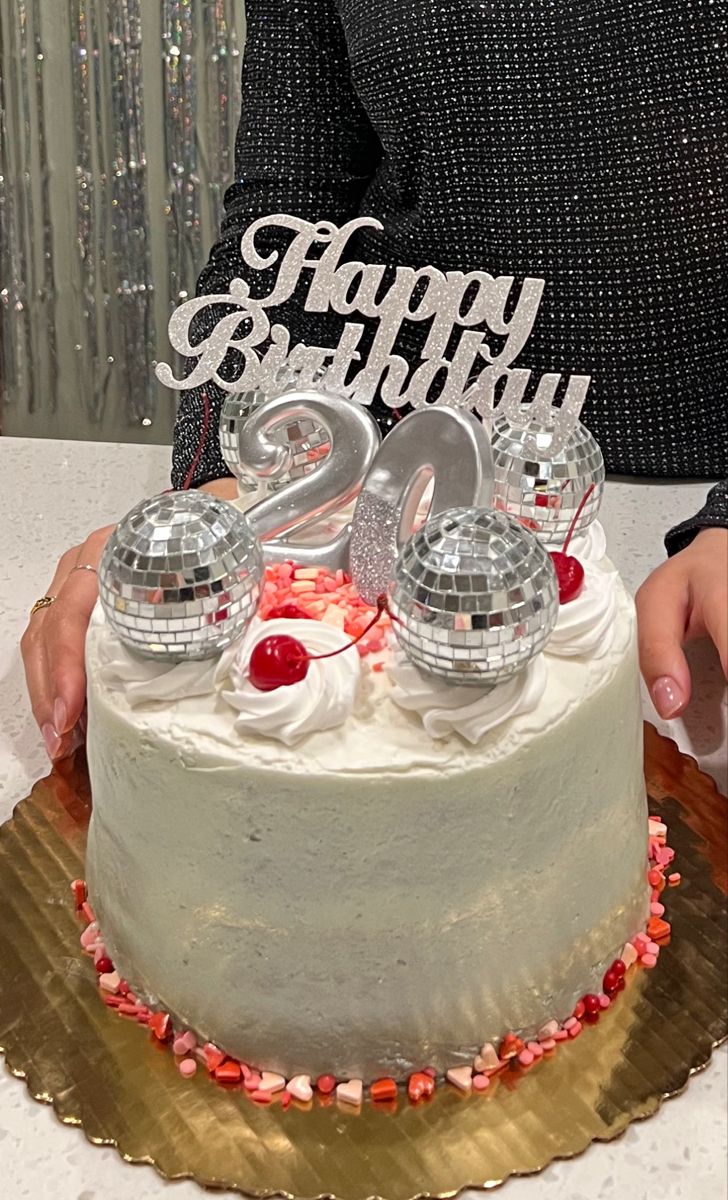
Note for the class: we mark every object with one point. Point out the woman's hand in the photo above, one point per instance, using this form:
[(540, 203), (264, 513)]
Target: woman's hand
[(685, 598), (54, 640), (53, 647)]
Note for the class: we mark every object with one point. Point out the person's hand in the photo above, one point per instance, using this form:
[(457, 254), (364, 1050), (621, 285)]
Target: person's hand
[(53, 647), (685, 598)]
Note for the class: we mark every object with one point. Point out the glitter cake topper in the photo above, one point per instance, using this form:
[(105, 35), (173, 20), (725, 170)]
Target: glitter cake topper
[(474, 302)]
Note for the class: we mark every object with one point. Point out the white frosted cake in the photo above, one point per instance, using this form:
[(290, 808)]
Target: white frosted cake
[(369, 871)]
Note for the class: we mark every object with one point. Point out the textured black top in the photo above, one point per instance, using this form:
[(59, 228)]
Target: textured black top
[(584, 143)]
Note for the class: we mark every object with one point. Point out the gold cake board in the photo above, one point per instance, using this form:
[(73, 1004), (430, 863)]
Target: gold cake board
[(107, 1075)]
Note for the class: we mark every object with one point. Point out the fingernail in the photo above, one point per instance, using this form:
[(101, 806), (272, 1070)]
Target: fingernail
[(52, 740), (60, 715), (668, 696)]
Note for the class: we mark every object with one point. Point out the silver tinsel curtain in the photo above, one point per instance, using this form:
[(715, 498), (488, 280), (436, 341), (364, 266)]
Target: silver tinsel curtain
[(117, 129)]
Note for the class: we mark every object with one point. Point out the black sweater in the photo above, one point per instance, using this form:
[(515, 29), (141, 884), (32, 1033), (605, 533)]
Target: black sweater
[(584, 143)]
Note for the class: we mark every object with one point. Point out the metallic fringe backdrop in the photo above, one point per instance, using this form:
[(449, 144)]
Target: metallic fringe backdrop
[(117, 132)]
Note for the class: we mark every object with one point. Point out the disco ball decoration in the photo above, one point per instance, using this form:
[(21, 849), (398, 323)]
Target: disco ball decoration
[(307, 441), (180, 577), (544, 492), (475, 596), (236, 409)]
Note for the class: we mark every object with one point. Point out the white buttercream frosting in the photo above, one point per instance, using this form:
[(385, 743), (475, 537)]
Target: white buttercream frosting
[(585, 625), (445, 709), (145, 681), (322, 700), (590, 546)]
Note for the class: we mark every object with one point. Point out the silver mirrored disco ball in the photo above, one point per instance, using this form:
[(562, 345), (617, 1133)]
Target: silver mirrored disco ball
[(180, 577), (307, 441), (235, 411), (476, 595), (545, 493)]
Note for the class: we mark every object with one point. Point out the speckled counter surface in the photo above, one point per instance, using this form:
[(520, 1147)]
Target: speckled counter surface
[(54, 493)]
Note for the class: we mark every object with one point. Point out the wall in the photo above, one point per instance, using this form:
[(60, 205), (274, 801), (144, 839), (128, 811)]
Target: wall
[(117, 125)]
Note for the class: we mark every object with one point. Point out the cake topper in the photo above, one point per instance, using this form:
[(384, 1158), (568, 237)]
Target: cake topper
[(491, 318), (353, 440), (180, 576), (307, 441), (541, 475), (440, 446), (473, 593), (474, 597)]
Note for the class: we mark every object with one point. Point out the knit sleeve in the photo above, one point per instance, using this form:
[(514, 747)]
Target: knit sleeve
[(713, 513), (304, 146)]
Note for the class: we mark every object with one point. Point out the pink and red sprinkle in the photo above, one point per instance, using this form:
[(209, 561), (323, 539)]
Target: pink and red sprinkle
[(323, 596), (513, 1051)]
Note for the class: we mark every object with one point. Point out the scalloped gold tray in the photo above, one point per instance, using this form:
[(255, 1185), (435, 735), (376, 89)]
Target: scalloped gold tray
[(106, 1075)]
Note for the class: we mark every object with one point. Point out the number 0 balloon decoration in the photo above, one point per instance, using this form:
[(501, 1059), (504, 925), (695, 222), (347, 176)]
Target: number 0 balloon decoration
[(442, 445)]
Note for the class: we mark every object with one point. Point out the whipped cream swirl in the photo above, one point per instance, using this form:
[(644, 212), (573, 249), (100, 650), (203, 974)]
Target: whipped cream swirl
[(586, 624), (469, 712), (590, 546), (147, 680), (324, 699)]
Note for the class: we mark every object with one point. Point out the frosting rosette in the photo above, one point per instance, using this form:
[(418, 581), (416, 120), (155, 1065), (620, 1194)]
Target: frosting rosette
[(445, 709), (589, 546), (322, 700), (585, 625), (145, 681)]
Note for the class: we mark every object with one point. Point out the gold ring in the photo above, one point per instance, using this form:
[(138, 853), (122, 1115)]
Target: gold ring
[(44, 602), (83, 567)]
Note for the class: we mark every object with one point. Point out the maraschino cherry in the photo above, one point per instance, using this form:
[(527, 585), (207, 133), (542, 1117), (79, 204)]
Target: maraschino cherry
[(569, 571), (279, 660)]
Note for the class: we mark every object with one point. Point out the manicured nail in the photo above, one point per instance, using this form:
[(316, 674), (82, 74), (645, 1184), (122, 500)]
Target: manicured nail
[(60, 715), (668, 696), (52, 740)]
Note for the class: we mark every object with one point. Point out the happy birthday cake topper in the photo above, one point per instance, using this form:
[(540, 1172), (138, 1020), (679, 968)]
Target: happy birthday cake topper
[(475, 302)]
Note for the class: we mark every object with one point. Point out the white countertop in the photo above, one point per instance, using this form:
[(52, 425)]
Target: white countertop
[(53, 493)]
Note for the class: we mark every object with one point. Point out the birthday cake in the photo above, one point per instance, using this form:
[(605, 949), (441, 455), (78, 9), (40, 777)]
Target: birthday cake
[(369, 805)]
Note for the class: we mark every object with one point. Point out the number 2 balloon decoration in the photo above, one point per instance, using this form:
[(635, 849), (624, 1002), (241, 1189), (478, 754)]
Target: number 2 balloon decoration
[(353, 438)]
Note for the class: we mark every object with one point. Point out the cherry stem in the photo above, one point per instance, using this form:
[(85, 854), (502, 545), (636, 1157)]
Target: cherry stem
[(576, 516), (200, 445), (382, 607)]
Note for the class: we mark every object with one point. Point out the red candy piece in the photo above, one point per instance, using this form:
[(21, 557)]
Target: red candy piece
[(160, 1024), (277, 661), (658, 929), (78, 887), (569, 573), (619, 968), (420, 1086), (213, 1056), (383, 1089), (510, 1047), (325, 1084), (591, 1005), (290, 612), (104, 966), (228, 1072), (579, 1009), (610, 981)]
